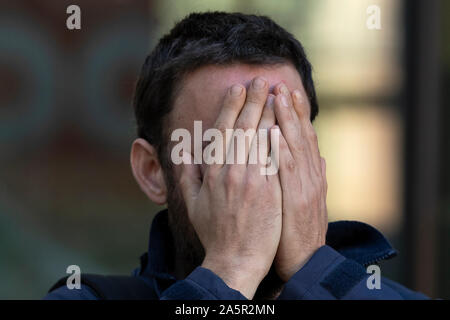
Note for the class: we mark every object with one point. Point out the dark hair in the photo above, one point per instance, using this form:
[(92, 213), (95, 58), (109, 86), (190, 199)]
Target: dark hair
[(210, 38)]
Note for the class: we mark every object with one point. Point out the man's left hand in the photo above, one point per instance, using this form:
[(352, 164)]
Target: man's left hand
[(303, 183)]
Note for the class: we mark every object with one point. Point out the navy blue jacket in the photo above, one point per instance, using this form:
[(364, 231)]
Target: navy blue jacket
[(335, 271)]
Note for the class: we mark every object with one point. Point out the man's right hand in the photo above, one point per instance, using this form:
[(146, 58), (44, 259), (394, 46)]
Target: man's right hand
[(235, 210)]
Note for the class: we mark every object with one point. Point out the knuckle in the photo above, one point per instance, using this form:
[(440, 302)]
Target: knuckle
[(323, 163), (285, 114), (302, 204), (316, 192), (299, 147), (234, 106), (254, 101), (291, 165), (222, 128), (210, 178), (250, 183), (244, 125), (324, 184), (312, 136), (256, 180), (232, 177)]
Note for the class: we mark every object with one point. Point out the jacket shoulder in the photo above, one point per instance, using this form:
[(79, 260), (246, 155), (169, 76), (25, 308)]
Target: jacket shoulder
[(359, 241)]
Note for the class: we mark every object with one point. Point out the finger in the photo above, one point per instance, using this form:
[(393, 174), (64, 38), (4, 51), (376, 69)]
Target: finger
[(190, 180), (268, 116), (287, 118), (259, 152), (247, 122), (301, 106), (289, 170), (291, 130), (232, 105), (271, 170), (268, 120), (281, 88)]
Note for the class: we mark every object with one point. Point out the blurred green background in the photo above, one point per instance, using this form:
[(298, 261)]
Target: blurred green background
[(67, 195)]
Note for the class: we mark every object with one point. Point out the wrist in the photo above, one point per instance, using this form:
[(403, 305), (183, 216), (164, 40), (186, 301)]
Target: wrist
[(286, 269), (241, 277)]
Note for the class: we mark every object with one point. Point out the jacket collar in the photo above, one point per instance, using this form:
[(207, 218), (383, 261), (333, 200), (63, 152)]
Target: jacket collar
[(354, 240), (359, 241), (159, 260)]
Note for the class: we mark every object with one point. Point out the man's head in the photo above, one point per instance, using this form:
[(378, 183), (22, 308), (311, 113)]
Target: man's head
[(185, 78)]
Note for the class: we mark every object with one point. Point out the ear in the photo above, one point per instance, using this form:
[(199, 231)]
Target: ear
[(147, 171)]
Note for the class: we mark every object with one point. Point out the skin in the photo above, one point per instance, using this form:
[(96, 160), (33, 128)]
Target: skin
[(246, 221)]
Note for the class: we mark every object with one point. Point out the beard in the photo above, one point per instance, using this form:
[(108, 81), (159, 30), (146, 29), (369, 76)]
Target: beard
[(189, 251)]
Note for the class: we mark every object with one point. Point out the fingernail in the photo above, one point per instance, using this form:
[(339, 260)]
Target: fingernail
[(297, 95), (284, 101), (283, 89), (236, 90), (259, 83)]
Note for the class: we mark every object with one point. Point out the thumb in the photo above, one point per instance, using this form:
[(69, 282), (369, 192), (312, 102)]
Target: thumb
[(190, 181)]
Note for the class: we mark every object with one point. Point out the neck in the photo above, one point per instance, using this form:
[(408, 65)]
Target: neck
[(183, 266)]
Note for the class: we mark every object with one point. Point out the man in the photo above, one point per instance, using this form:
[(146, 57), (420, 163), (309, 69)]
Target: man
[(229, 231)]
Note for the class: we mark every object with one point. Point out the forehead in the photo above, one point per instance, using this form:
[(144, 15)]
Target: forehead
[(202, 91)]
